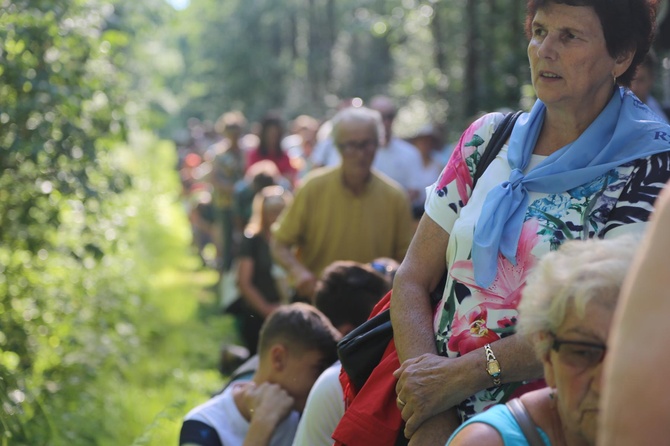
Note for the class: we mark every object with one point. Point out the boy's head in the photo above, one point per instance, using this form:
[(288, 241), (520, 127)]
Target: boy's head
[(348, 291), (297, 342)]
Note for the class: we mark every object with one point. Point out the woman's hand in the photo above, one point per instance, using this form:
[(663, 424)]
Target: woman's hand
[(429, 385)]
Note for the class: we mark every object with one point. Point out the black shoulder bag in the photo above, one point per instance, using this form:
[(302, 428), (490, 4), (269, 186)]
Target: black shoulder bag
[(361, 349)]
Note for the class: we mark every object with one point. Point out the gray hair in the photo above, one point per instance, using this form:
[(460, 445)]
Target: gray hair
[(578, 272), (359, 114)]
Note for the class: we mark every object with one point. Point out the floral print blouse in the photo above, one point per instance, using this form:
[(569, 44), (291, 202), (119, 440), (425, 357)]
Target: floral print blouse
[(469, 316)]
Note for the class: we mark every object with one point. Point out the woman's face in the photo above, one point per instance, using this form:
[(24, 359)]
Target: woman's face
[(575, 369), (571, 68), (273, 134)]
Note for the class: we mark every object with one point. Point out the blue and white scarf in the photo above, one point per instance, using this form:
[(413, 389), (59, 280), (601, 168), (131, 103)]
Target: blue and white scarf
[(624, 131)]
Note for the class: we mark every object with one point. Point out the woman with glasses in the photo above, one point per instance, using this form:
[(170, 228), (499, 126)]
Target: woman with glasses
[(565, 313)]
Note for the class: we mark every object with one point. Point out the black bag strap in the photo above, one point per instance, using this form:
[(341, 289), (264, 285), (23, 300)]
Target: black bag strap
[(500, 135), (528, 427)]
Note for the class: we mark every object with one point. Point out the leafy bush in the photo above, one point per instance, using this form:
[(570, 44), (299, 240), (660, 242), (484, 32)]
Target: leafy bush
[(78, 208)]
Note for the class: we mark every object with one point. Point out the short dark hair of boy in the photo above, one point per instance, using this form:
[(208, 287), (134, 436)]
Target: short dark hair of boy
[(348, 291), (301, 328)]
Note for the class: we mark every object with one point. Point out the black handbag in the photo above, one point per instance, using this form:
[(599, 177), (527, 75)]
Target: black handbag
[(362, 348)]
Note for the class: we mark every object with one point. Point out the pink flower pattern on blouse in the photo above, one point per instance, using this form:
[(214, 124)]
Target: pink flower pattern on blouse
[(475, 329), (470, 316), (457, 168)]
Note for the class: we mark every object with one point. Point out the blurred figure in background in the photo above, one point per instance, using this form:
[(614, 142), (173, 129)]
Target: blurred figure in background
[(428, 141), (259, 175), (269, 146), (261, 283), (300, 145), (325, 153), (346, 212), (643, 84), (228, 165), (396, 158), (197, 199)]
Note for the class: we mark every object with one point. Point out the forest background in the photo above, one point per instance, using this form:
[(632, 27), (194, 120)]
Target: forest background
[(109, 331)]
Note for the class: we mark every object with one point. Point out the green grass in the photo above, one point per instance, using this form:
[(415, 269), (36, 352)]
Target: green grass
[(181, 328)]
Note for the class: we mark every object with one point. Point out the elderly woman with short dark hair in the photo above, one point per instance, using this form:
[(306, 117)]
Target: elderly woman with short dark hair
[(587, 161), (565, 313)]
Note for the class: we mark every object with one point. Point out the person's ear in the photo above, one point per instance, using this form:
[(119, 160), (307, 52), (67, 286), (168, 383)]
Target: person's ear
[(622, 62), (547, 364), (549, 375), (278, 357)]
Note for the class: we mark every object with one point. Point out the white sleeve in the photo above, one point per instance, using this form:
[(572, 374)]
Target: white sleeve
[(323, 410)]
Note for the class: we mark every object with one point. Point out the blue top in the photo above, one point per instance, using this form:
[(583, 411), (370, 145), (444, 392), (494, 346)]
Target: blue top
[(501, 419)]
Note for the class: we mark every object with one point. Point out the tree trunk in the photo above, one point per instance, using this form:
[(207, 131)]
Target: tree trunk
[(439, 53)]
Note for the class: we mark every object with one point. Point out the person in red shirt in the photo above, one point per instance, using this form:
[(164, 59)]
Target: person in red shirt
[(269, 147)]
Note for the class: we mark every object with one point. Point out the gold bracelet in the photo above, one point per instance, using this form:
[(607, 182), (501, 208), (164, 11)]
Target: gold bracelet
[(492, 365)]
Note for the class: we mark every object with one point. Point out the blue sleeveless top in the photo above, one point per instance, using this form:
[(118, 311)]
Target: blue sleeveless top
[(501, 419)]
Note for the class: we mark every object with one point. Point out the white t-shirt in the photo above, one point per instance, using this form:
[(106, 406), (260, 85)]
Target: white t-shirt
[(323, 410), (400, 161), (427, 176), (325, 153), (221, 413)]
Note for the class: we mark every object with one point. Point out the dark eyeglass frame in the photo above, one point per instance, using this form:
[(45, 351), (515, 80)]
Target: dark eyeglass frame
[(556, 346), (357, 146)]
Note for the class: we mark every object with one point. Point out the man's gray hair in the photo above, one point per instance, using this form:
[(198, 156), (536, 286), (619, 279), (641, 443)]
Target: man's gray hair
[(578, 272), (359, 114)]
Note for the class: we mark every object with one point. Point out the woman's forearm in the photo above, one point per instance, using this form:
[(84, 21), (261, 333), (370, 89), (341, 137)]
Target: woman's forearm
[(419, 273), (411, 317)]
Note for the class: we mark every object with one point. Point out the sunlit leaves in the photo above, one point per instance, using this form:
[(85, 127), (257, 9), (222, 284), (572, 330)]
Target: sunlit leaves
[(64, 277)]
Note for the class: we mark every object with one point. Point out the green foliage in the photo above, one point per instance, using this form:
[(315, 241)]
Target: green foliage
[(58, 215), (84, 221), (442, 59)]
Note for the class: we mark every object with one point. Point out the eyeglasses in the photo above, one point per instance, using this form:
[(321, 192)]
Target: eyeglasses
[(350, 147), (578, 354)]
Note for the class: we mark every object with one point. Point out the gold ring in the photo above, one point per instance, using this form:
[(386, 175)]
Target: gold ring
[(401, 403)]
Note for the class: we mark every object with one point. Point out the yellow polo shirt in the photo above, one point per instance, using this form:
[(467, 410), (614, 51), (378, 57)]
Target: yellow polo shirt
[(327, 222)]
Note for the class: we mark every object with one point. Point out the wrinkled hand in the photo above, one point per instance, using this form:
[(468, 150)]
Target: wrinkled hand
[(436, 430), (428, 385), (269, 404)]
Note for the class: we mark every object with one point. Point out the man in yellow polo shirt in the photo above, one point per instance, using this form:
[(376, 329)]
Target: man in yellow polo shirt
[(346, 212)]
